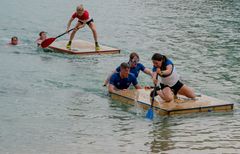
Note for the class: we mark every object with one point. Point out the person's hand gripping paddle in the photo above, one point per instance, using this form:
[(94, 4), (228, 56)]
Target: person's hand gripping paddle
[(49, 41), (150, 113)]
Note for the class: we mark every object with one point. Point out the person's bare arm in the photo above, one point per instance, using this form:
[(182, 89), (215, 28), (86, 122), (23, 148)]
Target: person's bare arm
[(108, 78), (148, 71), (138, 86), (111, 88), (80, 26), (154, 77), (167, 71), (69, 23)]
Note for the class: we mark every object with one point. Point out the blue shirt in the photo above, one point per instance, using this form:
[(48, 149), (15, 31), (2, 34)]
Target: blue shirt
[(124, 83), (168, 62), (134, 70)]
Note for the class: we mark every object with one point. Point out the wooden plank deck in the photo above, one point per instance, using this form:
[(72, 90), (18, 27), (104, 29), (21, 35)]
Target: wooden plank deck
[(181, 105), (82, 48)]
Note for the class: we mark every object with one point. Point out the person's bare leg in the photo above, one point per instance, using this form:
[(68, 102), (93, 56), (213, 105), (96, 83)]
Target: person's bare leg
[(95, 36), (72, 35), (166, 94), (187, 91), (94, 31)]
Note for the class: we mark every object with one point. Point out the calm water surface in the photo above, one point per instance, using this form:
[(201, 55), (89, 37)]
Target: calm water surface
[(55, 103)]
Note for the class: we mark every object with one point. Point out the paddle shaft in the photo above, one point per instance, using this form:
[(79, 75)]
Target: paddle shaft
[(64, 33), (154, 92)]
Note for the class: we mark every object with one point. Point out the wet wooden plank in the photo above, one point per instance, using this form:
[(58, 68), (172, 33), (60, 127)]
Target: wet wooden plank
[(181, 105), (82, 47)]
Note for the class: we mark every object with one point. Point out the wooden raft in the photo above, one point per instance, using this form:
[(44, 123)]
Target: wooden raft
[(181, 105), (82, 48)]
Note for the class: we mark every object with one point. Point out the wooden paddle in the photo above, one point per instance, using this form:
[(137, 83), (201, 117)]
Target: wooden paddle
[(149, 114), (49, 41)]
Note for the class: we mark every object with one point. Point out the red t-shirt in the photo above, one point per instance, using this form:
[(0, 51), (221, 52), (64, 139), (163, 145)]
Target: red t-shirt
[(85, 15)]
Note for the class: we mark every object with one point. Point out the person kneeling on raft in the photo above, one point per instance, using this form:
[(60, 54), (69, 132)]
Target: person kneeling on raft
[(170, 84)]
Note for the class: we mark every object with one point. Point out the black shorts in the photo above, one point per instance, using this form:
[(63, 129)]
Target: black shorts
[(91, 20), (174, 88)]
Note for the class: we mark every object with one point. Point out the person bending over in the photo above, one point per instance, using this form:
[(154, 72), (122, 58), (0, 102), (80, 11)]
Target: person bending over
[(83, 18), (123, 79), (170, 83), (135, 67)]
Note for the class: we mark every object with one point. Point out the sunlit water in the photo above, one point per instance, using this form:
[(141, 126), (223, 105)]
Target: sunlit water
[(55, 103)]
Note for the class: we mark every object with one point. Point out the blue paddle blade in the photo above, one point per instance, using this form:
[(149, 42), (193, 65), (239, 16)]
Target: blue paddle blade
[(149, 114)]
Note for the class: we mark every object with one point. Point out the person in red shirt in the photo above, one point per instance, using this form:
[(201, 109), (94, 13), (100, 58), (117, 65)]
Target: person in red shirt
[(83, 19), (42, 37)]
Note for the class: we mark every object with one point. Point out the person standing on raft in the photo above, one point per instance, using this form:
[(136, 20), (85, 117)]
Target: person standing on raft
[(83, 19)]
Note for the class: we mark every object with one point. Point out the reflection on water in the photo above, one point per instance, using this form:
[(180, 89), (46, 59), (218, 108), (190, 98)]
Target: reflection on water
[(196, 132), (161, 137)]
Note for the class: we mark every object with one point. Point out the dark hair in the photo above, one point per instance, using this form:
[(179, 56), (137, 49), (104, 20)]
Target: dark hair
[(14, 37), (124, 65), (41, 33), (132, 55), (160, 57)]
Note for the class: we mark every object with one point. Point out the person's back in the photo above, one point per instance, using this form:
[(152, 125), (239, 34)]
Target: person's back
[(122, 83)]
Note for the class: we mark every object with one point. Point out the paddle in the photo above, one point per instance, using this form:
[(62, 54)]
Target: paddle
[(49, 41), (149, 114)]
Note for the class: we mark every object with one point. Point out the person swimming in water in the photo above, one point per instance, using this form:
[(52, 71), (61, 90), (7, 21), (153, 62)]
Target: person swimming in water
[(42, 37), (14, 41)]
